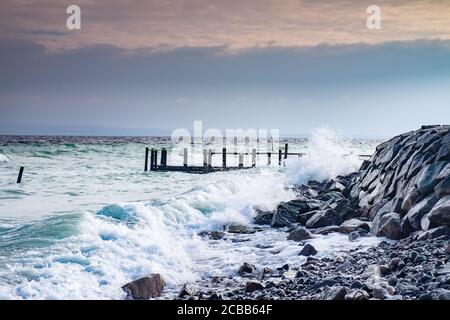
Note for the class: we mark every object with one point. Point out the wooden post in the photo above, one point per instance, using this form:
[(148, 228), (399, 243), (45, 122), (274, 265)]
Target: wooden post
[(146, 159), (279, 157), (254, 158), (163, 157), (185, 156), (209, 158), (241, 160), (269, 158), (285, 150), (224, 157), (205, 158), (156, 159), (152, 158), (19, 178)]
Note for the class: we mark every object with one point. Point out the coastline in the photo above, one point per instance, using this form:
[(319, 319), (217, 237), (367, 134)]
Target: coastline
[(401, 194)]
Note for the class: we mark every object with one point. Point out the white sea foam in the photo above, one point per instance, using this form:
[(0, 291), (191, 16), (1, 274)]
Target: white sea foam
[(3, 158), (123, 241), (327, 157)]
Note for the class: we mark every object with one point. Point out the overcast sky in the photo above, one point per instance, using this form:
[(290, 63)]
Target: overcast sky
[(288, 64)]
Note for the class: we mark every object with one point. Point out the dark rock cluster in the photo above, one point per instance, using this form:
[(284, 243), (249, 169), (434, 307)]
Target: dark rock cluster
[(408, 269), (405, 187)]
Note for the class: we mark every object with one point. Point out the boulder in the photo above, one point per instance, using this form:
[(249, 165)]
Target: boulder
[(326, 230), (214, 235), (353, 225), (288, 212), (299, 235), (405, 227), (304, 217), (188, 290), (145, 288), (241, 229), (263, 218), (308, 250), (434, 233), (387, 225), (323, 218), (443, 188), (251, 286), (439, 215), (410, 199), (335, 293), (246, 269), (420, 209), (342, 208), (357, 294), (428, 177)]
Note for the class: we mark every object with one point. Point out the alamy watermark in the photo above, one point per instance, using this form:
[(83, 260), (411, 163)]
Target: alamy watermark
[(235, 140), (73, 21), (374, 19)]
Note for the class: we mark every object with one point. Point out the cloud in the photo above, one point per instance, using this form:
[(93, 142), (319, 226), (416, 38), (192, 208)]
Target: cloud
[(30, 66), (236, 24)]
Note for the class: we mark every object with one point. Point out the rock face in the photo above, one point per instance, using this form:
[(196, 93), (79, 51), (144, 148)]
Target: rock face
[(145, 288), (404, 187)]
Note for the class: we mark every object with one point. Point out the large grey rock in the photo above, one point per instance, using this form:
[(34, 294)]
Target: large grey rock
[(335, 293), (288, 212), (299, 235), (412, 195), (434, 233), (145, 288), (263, 217), (241, 228), (324, 218), (353, 225), (428, 177), (419, 210), (439, 215), (443, 188), (246, 269), (308, 250), (387, 225), (251, 286)]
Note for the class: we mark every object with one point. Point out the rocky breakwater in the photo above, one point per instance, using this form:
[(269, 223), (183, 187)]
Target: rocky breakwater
[(404, 189)]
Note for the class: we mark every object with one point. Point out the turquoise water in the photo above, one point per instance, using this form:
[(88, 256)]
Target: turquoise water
[(87, 219)]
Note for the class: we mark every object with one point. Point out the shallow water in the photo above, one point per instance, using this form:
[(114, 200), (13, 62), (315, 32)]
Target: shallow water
[(87, 219)]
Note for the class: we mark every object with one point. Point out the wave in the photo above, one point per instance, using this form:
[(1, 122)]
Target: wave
[(123, 241), (327, 157)]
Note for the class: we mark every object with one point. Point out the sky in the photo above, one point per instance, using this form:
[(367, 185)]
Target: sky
[(149, 67)]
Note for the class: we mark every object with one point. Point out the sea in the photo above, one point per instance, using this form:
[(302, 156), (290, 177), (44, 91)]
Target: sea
[(87, 219)]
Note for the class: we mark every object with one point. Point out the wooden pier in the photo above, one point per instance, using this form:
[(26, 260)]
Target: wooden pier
[(207, 167)]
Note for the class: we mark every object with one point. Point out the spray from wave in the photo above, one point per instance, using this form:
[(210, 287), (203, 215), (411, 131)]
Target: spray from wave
[(327, 157)]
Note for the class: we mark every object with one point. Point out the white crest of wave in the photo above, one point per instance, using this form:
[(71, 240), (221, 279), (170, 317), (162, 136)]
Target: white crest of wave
[(327, 156), (3, 158), (146, 238)]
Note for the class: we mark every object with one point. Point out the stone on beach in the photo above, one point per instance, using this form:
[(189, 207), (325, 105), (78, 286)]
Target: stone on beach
[(308, 250), (299, 234), (145, 288), (251, 286)]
